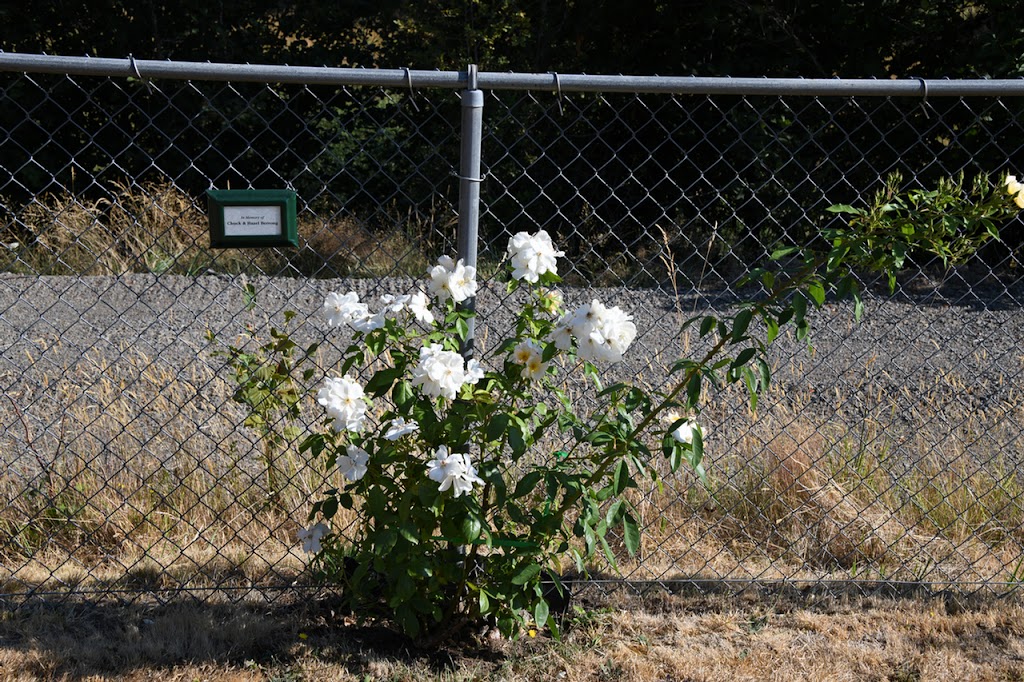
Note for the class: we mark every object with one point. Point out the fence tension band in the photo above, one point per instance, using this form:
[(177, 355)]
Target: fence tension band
[(558, 92)]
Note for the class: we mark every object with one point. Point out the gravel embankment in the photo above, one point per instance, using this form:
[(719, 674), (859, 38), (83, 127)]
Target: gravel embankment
[(928, 362)]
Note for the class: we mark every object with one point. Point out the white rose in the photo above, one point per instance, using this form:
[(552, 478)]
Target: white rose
[(452, 470), (352, 465), (345, 402), (532, 255)]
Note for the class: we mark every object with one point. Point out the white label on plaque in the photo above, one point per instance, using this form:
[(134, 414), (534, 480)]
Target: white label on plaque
[(252, 221)]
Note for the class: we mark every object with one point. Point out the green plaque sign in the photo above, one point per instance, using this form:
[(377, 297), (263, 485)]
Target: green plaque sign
[(252, 218)]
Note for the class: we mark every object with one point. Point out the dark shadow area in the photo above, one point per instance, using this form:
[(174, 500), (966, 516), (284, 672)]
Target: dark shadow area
[(72, 637)]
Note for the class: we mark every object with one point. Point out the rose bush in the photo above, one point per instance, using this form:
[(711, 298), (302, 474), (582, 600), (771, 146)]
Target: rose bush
[(470, 479), (452, 468)]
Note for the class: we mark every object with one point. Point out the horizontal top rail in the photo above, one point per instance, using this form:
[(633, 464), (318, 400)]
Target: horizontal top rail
[(148, 69)]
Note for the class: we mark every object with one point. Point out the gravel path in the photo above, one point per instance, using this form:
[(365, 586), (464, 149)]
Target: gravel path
[(933, 359)]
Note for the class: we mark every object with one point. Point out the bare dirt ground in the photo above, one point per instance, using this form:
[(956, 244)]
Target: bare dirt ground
[(621, 636)]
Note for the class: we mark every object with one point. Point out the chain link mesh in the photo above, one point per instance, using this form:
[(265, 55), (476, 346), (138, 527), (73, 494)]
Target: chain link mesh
[(885, 456)]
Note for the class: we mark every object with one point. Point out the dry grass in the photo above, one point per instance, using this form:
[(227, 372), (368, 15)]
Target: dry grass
[(144, 483), (618, 637), (147, 482), (807, 502), (155, 227)]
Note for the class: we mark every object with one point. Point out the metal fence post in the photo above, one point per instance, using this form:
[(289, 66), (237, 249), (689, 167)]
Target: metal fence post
[(469, 186)]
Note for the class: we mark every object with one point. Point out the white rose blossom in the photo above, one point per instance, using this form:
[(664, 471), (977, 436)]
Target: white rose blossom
[(530, 355), (474, 372), (343, 309), (562, 336), (419, 306), (1013, 185), (441, 373), (368, 323), (684, 432), (452, 470), (400, 427), (345, 402), (352, 464), (604, 334), (348, 310), (310, 537), (450, 279), (532, 255), (394, 304)]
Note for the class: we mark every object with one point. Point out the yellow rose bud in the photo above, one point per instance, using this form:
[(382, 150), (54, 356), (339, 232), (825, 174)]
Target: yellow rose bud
[(1012, 186), (1019, 199), (550, 301)]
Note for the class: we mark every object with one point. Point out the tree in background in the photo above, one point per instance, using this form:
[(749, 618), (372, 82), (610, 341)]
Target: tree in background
[(808, 38)]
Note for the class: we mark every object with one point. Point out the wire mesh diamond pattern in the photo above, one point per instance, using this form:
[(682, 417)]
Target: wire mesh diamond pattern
[(884, 455)]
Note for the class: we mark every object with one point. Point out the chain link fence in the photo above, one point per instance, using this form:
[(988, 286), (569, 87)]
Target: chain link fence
[(885, 457)]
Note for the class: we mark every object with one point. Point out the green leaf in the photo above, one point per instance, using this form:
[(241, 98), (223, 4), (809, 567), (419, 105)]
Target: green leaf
[(707, 324), (614, 513), (613, 388), (608, 553), (516, 513), (844, 208), (740, 324), (779, 254), (693, 389), (381, 382), (527, 484), (622, 479), (471, 528), (743, 357), (766, 373), (799, 307), (526, 575), (329, 507), (402, 394), (516, 441), (507, 625), (462, 328), (540, 613), (386, 542), (675, 459), (408, 620), (697, 450), (249, 296), (802, 329), (408, 533), (817, 292), (630, 533), (314, 444), (496, 427), (752, 381), (485, 604)]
